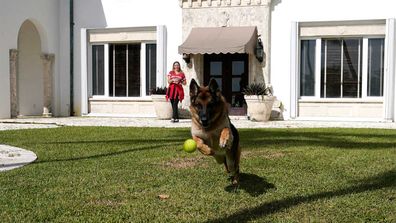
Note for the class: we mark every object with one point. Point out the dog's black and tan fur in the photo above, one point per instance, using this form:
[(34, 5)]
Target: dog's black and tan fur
[(212, 129)]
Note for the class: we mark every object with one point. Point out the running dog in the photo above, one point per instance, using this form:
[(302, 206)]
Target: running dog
[(212, 129)]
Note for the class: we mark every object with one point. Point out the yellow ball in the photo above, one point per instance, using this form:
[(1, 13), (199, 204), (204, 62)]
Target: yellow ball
[(189, 145)]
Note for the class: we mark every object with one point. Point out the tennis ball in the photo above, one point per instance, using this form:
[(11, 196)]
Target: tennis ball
[(190, 145)]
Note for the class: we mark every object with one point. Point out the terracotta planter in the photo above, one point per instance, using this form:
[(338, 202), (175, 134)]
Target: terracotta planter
[(163, 108), (259, 107)]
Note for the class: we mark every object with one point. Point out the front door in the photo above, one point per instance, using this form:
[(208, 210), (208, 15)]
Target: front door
[(231, 73)]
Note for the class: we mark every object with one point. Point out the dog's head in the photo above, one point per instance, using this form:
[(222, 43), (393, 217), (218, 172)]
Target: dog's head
[(206, 102)]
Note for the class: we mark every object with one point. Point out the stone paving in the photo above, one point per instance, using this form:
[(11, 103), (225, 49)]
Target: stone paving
[(12, 157), (239, 122), (16, 126)]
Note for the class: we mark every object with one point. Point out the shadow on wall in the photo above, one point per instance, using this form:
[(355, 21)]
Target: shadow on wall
[(87, 14), (275, 3)]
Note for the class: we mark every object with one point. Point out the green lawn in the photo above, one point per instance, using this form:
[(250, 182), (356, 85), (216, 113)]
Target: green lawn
[(103, 174)]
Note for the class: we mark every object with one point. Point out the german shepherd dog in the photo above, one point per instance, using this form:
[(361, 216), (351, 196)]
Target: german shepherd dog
[(212, 129)]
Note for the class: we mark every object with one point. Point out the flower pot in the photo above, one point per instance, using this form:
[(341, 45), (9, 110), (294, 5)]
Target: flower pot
[(163, 108), (259, 107)]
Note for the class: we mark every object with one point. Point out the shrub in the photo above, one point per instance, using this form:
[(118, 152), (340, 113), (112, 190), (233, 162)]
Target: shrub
[(257, 89), (158, 90)]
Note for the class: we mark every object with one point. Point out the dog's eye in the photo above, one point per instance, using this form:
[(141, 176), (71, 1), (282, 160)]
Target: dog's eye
[(211, 104), (199, 106)]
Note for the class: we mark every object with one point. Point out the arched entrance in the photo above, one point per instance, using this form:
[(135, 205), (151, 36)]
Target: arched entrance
[(31, 74), (30, 83)]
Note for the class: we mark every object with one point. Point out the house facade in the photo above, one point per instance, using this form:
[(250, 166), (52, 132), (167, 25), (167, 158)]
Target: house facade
[(123, 49), (324, 60), (341, 59), (34, 58)]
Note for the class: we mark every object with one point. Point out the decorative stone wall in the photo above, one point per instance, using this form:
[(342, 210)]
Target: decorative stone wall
[(48, 63), (229, 13), (219, 3), (13, 82)]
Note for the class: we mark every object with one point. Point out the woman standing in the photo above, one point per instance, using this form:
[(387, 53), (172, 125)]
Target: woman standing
[(175, 93)]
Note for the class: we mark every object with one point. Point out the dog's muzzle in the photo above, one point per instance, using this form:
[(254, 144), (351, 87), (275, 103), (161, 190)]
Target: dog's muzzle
[(204, 122), (204, 118)]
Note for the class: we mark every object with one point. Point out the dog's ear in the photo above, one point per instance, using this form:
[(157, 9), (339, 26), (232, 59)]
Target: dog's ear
[(213, 86), (194, 88)]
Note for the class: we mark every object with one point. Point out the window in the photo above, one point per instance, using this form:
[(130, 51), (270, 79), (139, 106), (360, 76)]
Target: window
[(340, 74), (117, 72), (98, 70), (307, 68), (124, 70), (151, 67), (375, 67)]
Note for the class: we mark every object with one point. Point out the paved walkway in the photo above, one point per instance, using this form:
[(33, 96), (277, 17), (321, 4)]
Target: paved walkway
[(12, 157), (25, 123)]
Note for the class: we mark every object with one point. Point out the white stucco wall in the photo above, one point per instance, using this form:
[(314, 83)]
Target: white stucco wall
[(45, 16), (284, 12), (125, 13)]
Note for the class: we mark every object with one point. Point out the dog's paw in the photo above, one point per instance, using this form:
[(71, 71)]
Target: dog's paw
[(206, 150), (234, 180)]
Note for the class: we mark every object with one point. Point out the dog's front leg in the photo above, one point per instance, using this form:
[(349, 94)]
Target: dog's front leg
[(202, 147), (225, 138)]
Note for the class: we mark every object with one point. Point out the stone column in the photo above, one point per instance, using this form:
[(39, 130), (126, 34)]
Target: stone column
[(13, 82), (48, 62), (266, 38)]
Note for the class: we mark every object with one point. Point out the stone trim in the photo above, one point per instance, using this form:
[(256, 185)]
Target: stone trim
[(13, 82), (343, 30), (390, 68), (221, 3), (48, 62)]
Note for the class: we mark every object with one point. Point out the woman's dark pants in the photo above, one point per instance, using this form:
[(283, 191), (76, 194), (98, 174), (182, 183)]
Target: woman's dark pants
[(174, 103)]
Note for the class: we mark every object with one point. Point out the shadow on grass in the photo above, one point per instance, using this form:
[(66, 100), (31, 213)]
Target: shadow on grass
[(380, 181), (120, 141), (252, 184), (135, 149), (332, 138)]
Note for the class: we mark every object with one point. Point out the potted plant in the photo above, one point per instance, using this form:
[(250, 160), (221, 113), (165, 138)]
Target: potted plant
[(163, 108), (259, 101)]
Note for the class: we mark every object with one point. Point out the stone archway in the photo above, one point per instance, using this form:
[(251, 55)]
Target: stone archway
[(31, 74)]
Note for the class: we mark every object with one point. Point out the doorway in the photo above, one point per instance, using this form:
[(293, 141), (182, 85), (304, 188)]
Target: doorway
[(231, 73), (30, 84)]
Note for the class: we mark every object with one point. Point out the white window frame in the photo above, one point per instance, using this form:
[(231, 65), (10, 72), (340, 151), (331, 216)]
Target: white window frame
[(106, 71), (106, 77), (365, 71), (318, 60), (318, 47), (143, 67), (104, 36)]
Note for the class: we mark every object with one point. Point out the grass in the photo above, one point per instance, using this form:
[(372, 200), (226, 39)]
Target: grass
[(103, 174)]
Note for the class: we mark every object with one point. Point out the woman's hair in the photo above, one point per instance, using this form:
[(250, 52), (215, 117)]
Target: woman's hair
[(173, 66)]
